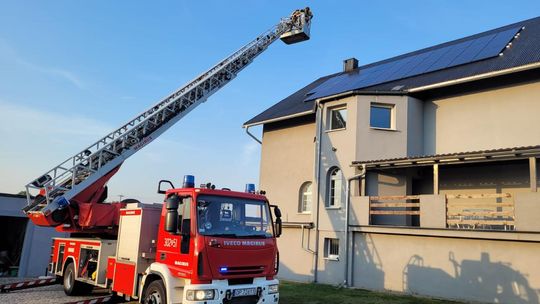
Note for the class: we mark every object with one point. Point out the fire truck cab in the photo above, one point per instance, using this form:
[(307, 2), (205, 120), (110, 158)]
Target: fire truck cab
[(202, 245)]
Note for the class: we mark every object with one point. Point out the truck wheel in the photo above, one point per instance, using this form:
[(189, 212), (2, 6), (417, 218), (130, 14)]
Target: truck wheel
[(73, 287), (155, 293)]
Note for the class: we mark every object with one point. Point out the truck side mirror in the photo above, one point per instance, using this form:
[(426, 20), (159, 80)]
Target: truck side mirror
[(279, 227), (277, 211), (279, 224), (171, 217), (160, 190)]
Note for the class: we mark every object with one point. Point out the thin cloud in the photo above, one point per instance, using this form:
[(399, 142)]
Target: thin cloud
[(12, 55), (35, 140), (31, 121)]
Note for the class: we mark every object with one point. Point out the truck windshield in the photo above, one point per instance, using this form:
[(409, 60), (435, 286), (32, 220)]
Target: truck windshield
[(233, 217)]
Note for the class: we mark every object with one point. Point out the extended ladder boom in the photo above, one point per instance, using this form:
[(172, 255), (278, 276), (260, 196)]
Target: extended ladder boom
[(98, 162)]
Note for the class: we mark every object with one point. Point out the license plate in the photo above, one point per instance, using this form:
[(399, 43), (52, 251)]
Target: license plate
[(244, 292)]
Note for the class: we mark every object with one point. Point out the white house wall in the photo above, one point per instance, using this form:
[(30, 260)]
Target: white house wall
[(502, 118)]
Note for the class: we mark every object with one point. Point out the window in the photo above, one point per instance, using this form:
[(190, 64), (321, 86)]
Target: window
[(233, 217), (381, 116), (335, 188), (305, 198), (338, 118), (184, 213), (331, 248)]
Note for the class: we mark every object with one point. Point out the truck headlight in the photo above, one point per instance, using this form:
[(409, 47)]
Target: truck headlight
[(273, 288), (200, 295)]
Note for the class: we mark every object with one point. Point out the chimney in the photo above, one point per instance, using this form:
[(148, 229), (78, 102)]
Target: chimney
[(350, 64)]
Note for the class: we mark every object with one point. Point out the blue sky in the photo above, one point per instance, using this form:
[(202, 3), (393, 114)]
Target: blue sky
[(71, 71)]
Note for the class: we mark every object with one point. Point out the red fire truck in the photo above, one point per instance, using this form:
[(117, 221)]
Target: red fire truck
[(202, 245)]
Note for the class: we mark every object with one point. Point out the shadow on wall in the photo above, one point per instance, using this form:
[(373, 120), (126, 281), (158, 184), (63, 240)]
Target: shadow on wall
[(288, 274), (367, 263), (481, 280), (293, 265)]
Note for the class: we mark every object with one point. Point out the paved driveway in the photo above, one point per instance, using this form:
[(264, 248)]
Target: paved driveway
[(43, 295)]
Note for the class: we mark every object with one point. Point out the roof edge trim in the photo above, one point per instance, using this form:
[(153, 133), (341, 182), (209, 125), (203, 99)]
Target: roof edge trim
[(358, 92), (521, 68), (452, 158), (278, 119)]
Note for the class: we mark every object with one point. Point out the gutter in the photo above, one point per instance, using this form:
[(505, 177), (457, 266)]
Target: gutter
[(277, 119), (347, 208), (252, 136), (247, 126), (303, 226), (318, 120), (476, 77), (361, 92), (307, 225)]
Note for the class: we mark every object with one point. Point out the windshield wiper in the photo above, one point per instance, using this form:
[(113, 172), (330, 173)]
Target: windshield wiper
[(242, 236), (253, 236), (230, 235)]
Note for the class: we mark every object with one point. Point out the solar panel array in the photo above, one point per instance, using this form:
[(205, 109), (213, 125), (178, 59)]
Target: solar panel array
[(471, 50)]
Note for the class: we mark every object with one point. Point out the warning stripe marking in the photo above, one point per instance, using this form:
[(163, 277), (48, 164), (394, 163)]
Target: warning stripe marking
[(93, 301), (27, 284)]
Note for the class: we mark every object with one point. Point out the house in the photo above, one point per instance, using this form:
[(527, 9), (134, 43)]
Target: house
[(24, 247), (415, 174)]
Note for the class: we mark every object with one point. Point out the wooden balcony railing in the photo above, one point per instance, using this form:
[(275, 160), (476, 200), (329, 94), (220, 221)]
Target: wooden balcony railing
[(488, 211), (480, 211), (400, 205)]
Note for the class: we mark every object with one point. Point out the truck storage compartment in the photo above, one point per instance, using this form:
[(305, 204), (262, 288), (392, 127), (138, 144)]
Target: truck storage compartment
[(137, 232), (125, 277), (91, 258)]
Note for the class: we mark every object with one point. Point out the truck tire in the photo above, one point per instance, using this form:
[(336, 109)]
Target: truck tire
[(155, 293), (73, 287)]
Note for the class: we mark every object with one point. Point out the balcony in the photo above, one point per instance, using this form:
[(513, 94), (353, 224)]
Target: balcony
[(483, 211), (492, 190)]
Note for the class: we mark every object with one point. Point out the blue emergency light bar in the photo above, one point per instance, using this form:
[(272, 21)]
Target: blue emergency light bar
[(189, 181)]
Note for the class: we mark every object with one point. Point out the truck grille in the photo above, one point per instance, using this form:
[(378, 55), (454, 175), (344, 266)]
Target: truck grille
[(243, 270)]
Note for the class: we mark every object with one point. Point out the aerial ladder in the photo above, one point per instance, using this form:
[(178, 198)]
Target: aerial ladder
[(71, 196)]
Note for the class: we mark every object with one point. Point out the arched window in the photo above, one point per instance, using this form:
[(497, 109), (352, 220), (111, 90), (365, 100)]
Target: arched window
[(304, 205), (334, 188)]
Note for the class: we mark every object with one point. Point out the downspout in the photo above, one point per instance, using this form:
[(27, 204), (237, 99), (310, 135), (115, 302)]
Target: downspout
[(251, 135), (306, 248), (347, 206), (318, 179)]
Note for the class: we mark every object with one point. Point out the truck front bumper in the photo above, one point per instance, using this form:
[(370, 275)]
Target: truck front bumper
[(242, 293)]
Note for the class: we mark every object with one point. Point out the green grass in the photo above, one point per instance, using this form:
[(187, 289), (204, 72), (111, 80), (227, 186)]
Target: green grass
[(299, 293)]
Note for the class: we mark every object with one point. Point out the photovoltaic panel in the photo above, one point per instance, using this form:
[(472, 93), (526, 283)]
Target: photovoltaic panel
[(417, 63), (474, 49), (497, 45), (433, 57), (401, 66), (445, 61)]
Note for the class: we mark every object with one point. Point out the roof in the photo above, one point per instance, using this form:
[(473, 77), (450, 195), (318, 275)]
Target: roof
[(451, 158), (12, 195), (524, 51), (289, 106)]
